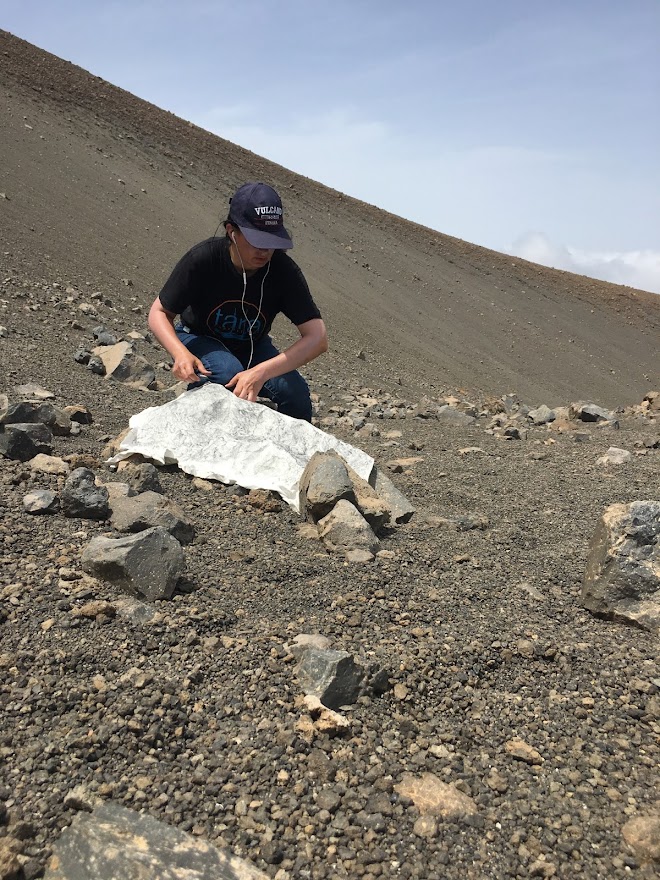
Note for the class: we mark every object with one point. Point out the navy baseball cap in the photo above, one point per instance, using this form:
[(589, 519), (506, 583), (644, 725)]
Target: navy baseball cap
[(257, 211)]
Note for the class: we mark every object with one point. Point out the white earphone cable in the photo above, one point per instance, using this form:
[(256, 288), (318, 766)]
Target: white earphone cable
[(251, 324)]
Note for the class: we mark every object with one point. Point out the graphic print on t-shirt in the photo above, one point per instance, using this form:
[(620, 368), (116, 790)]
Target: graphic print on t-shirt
[(234, 321)]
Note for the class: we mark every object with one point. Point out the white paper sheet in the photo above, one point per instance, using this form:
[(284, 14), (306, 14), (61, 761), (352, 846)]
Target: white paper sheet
[(211, 433)]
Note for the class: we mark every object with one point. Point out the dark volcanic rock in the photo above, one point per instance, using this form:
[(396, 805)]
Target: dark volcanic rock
[(622, 578), (332, 676), (83, 498), (22, 441), (112, 843), (148, 564), (148, 509)]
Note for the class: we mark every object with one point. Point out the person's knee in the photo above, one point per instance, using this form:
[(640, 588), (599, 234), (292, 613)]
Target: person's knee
[(291, 394), (222, 366), (297, 408)]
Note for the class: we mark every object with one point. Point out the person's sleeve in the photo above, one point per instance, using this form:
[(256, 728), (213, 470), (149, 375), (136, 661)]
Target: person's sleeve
[(297, 302), (184, 282)]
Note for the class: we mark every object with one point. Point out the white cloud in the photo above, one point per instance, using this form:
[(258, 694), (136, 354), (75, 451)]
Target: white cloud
[(639, 269)]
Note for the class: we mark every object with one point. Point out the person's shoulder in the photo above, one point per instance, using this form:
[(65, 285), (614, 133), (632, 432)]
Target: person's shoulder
[(209, 247), (284, 263)]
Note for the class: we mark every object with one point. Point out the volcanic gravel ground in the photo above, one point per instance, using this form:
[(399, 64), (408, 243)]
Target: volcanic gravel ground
[(191, 713)]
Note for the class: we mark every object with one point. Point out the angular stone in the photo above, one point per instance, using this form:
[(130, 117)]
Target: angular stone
[(30, 390), (324, 482), (41, 501), (344, 528), (332, 676), (81, 497), (542, 415), (30, 411), (642, 834), (113, 842), (79, 414), (371, 505), (652, 399), (49, 464), (398, 465), (401, 510), (589, 412), (614, 455), (522, 751), (94, 364), (121, 363), (117, 491), (320, 720), (433, 797), (103, 336), (10, 866), (141, 475), (22, 441), (80, 798), (450, 416), (148, 564), (139, 512), (622, 576)]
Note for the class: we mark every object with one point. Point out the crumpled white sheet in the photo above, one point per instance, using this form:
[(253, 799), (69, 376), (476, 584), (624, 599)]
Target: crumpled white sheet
[(209, 432)]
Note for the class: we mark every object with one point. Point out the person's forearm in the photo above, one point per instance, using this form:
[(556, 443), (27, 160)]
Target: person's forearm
[(162, 326), (186, 367)]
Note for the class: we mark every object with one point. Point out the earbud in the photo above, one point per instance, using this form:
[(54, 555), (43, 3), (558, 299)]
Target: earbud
[(233, 238)]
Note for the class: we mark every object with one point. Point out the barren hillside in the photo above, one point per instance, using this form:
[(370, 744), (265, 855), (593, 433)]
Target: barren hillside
[(103, 186)]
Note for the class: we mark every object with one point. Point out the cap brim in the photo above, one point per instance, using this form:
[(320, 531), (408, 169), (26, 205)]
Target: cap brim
[(266, 240)]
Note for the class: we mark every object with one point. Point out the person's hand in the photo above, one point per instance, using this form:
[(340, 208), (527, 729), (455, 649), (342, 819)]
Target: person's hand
[(188, 368), (247, 384)]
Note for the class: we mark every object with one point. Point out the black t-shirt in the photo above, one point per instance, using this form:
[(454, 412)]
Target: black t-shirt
[(206, 290)]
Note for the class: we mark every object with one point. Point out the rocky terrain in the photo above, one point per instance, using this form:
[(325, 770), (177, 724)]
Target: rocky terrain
[(501, 730)]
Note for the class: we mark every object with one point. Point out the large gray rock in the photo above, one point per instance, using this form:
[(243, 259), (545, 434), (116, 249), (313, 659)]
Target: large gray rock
[(542, 415), (328, 479), (451, 416), (373, 508), (140, 475), (82, 497), (37, 412), (148, 509), (589, 412), (112, 843), (148, 564), (324, 482), (344, 528), (123, 364), (401, 510), (622, 577), (22, 441), (332, 676), (41, 501)]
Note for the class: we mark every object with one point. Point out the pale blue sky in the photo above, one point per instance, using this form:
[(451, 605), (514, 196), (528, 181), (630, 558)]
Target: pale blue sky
[(530, 127)]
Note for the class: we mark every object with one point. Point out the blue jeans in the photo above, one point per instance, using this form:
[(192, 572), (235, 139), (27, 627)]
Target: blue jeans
[(289, 391)]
